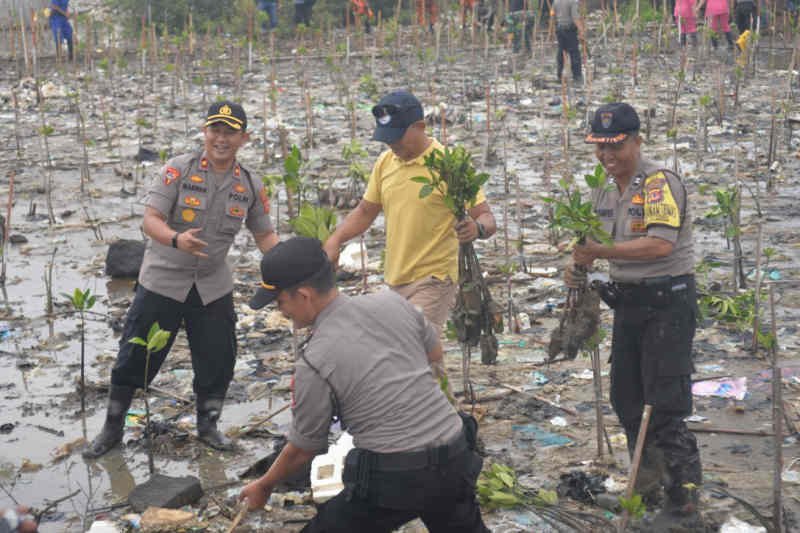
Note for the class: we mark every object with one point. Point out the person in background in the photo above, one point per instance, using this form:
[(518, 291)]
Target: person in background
[(302, 12), (270, 7), (569, 32), (61, 27), (717, 17), (686, 18)]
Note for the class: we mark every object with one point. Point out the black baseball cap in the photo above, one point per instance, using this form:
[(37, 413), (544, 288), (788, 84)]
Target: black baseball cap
[(394, 114), (286, 265), (227, 112), (612, 123)]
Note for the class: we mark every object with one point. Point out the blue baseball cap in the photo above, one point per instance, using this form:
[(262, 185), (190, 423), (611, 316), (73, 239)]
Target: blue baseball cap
[(394, 114)]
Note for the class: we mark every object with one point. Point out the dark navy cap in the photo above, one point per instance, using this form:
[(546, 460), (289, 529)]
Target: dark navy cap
[(227, 112), (288, 264), (394, 114), (612, 123)]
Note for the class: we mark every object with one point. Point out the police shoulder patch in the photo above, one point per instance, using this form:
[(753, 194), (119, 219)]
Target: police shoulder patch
[(660, 207), (170, 175)]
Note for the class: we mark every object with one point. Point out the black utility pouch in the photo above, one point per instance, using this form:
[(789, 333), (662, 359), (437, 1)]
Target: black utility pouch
[(470, 429), (609, 292)]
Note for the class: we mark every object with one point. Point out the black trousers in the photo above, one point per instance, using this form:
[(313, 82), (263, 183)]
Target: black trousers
[(210, 329), (302, 13), (651, 363), (568, 41), (745, 16), (443, 497)]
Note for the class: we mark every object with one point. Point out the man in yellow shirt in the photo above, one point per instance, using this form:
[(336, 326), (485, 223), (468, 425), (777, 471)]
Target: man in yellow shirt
[(422, 235)]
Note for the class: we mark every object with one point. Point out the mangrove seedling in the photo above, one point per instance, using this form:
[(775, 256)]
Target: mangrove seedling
[(315, 222), (454, 178), (576, 217), (82, 301), (157, 339)]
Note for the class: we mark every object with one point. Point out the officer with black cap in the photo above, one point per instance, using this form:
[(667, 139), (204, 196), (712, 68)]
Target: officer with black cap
[(367, 365), (194, 209), (645, 208)]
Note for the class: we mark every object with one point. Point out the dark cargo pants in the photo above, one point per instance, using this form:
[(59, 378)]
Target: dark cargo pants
[(651, 363), (210, 329), (443, 497)]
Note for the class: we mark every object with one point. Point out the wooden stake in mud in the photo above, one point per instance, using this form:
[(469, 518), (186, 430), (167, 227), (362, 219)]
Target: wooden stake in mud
[(598, 402), (7, 224), (637, 459), (239, 516), (757, 293), (777, 419)]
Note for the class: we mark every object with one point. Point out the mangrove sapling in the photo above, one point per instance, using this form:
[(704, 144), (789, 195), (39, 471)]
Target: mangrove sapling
[(314, 222), (48, 282), (7, 227), (577, 217), (45, 130), (82, 301), (157, 339), (475, 316)]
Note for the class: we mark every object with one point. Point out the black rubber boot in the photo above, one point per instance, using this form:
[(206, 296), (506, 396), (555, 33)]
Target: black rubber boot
[(680, 512), (119, 401), (208, 411), (729, 38)]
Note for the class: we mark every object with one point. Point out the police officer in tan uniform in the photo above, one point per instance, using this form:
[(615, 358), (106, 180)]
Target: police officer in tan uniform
[(195, 208), (368, 363), (645, 209)]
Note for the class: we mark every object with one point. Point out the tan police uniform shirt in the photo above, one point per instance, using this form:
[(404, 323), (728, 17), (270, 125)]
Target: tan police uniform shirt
[(190, 195), (566, 12), (655, 204), (373, 351)]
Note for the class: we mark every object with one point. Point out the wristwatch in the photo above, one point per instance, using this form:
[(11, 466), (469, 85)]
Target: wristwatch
[(175, 240), (481, 230)]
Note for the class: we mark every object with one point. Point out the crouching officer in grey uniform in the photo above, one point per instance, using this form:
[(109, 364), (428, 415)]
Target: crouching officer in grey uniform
[(367, 364), (645, 208), (194, 210)]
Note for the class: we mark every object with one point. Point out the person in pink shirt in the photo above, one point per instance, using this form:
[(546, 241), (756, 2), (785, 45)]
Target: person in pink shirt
[(686, 18), (717, 15)]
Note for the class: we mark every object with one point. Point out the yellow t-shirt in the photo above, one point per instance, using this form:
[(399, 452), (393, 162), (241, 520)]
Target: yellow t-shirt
[(420, 239)]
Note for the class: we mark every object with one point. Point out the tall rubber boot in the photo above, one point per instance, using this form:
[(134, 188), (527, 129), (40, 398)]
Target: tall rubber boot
[(119, 401), (680, 512), (729, 38), (652, 471), (208, 411)]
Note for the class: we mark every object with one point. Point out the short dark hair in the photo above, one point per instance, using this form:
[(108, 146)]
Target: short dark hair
[(323, 281)]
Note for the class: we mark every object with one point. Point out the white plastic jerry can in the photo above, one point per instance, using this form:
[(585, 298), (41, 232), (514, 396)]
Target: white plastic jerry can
[(326, 470)]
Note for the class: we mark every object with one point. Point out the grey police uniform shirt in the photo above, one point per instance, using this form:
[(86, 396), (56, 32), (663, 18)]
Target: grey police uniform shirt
[(373, 350), (566, 12), (190, 195), (654, 205)]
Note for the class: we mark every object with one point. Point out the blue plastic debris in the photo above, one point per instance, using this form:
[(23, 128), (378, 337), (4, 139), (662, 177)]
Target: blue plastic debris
[(530, 435)]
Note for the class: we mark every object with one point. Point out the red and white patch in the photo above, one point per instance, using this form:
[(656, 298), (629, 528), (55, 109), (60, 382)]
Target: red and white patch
[(236, 211), (170, 175), (262, 195), (237, 170)]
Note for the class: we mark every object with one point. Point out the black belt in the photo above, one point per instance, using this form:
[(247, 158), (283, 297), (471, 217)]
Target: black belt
[(429, 457), (567, 28), (660, 281)]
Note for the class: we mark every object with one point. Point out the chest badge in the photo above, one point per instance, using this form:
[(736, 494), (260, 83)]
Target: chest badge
[(197, 179), (188, 215), (192, 201), (637, 199), (236, 211), (238, 187), (237, 170), (204, 164), (655, 195)]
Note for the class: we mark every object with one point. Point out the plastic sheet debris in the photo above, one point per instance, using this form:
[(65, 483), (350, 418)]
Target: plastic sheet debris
[(734, 525), (528, 436), (103, 526), (326, 470), (559, 421), (735, 388), (581, 486), (695, 418), (613, 486), (537, 379), (352, 255)]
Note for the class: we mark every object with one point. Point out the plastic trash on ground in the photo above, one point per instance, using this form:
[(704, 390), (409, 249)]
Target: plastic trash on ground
[(735, 388), (350, 258), (734, 525), (103, 526), (326, 470)]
